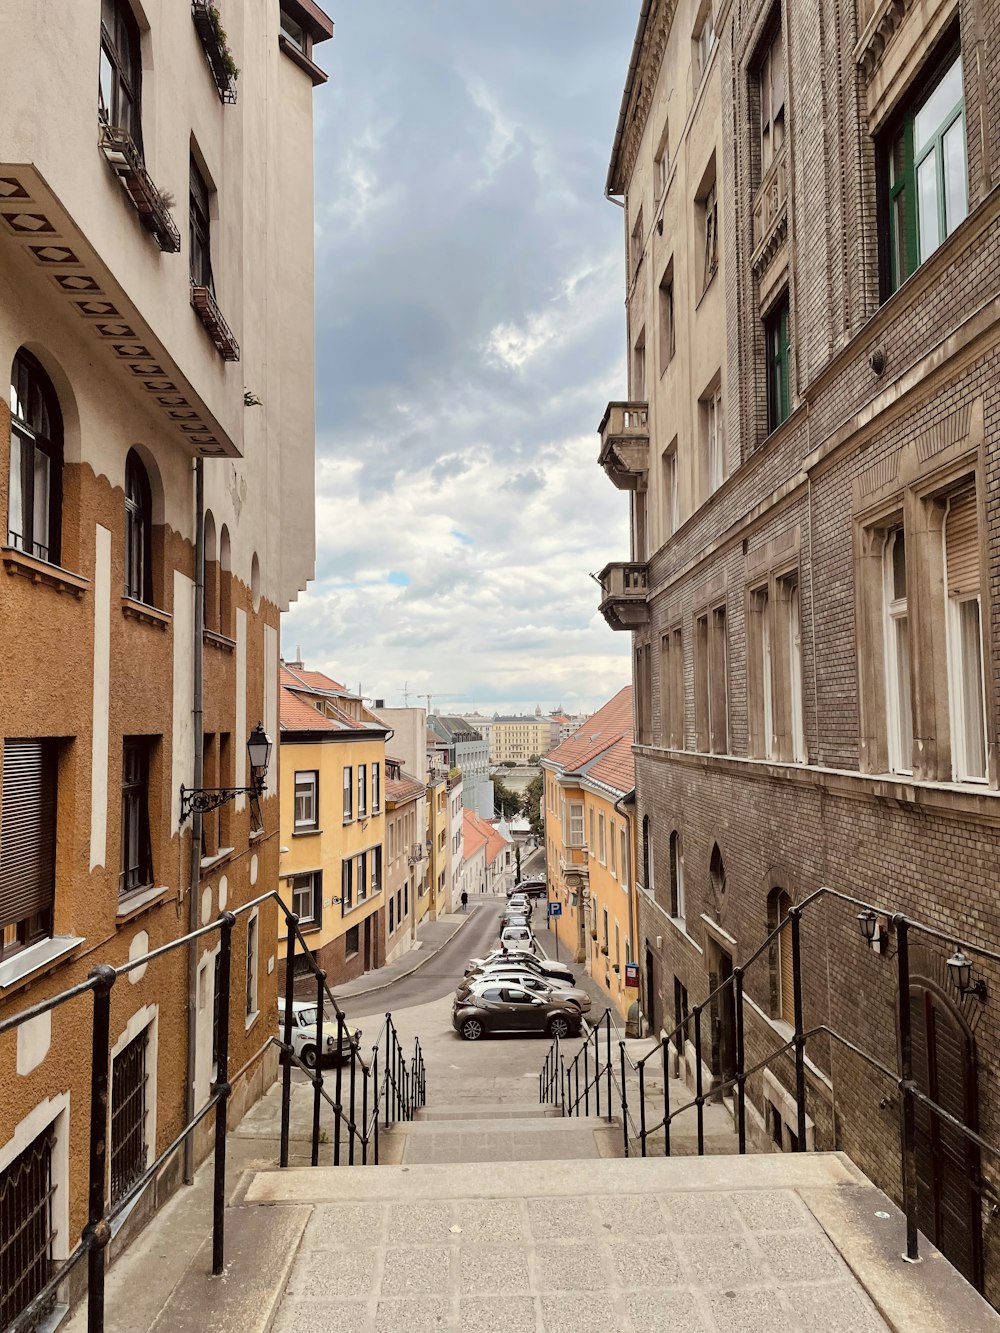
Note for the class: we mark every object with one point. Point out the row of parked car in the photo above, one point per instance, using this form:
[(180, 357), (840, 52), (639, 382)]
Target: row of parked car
[(515, 988)]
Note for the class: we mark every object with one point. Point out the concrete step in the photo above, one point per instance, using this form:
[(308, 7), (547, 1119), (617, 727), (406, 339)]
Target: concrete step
[(542, 1138), (480, 1111), (518, 1126)]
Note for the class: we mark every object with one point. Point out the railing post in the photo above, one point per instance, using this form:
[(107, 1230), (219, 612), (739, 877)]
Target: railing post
[(352, 1121), (800, 1041), (621, 1050), (699, 1095), (339, 1078), (665, 1048), (291, 924), (908, 1126), (97, 1232), (741, 1100), (597, 1068), (222, 1090), (642, 1100), (586, 1077), (388, 1064), (576, 1082), (364, 1114), (562, 1082), (611, 1109), (376, 1108), (318, 1072)]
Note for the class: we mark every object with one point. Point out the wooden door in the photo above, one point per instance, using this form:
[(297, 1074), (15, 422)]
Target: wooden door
[(944, 1067), (726, 1002)]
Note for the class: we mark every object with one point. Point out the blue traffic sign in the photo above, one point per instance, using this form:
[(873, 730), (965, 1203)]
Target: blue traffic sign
[(555, 909)]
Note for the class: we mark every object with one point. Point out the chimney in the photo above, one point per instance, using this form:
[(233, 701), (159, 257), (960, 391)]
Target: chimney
[(298, 664)]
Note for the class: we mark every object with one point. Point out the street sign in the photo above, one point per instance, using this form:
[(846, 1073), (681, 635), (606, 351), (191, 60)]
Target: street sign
[(632, 975), (555, 909)]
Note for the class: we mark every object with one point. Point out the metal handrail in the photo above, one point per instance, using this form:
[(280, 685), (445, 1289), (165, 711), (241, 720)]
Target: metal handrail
[(400, 1092)]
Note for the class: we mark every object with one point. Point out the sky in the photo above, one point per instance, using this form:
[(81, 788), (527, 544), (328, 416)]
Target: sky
[(470, 332)]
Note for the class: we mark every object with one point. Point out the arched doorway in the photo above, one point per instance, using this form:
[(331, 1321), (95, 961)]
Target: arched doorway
[(944, 1067)]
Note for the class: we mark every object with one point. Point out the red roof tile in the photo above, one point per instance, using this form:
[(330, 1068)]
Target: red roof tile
[(616, 767), (404, 788), (313, 680), (599, 733), (297, 714)]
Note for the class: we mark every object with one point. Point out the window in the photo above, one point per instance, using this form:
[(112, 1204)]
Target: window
[(771, 85), (623, 858), (26, 1227), (710, 682), (924, 173), (307, 897), (670, 520), (777, 347), (392, 915), (965, 638), (761, 678), (636, 246), (362, 790), (376, 788), (672, 690), (306, 800), (361, 877), (575, 824), (352, 939), (661, 162), (137, 851), (120, 86), (602, 846), (128, 1116), (605, 939), (676, 877), (704, 36), (643, 694), (714, 449), (347, 884), (211, 822), (647, 855), (707, 215), (201, 215), (782, 988), (681, 1012), (639, 368), (34, 505), (899, 712), (667, 317), (295, 33), (792, 739), (376, 864), (613, 847), (348, 795), (27, 843), (253, 953), (593, 840), (138, 531)]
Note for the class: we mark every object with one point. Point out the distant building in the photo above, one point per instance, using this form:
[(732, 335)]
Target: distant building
[(468, 751), (405, 799), (519, 739), (488, 856)]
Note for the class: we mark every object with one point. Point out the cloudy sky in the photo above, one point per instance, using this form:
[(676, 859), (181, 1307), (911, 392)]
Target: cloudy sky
[(470, 333)]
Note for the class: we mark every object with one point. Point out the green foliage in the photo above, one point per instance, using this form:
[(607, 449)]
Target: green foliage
[(228, 63), (250, 399), (506, 802), (531, 804)]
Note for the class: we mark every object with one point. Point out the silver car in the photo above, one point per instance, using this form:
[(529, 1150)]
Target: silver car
[(529, 981)]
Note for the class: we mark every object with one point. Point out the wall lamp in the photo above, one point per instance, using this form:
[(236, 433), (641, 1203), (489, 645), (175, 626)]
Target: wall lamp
[(874, 930), (960, 971), (201, 800)]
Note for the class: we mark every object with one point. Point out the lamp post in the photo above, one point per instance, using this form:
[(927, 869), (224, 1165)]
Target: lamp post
[(960, 971), (204, 799)]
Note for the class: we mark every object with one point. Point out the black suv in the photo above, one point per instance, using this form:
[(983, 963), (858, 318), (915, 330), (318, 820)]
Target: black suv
[(531, 888)]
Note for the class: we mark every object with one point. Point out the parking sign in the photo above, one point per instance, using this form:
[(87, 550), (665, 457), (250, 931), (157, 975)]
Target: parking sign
[(555, 909)]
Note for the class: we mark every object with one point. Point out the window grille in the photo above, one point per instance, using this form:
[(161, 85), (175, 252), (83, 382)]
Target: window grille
[(26, 1232), (128, 1116)]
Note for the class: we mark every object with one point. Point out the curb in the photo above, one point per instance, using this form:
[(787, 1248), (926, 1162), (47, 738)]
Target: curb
[(425, 957)]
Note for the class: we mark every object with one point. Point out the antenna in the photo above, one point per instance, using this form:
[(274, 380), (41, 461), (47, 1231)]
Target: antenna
[(406, 694)]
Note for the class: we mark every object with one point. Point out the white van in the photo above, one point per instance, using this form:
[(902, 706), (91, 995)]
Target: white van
[(514, 939), (304, 1033)]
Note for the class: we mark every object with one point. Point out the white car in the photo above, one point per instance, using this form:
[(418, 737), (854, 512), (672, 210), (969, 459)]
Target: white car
[(304, 1033), (515, 938), (529, 981)]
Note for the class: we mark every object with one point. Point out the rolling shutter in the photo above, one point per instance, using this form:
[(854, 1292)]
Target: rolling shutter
[(28, 838), (962, 545)]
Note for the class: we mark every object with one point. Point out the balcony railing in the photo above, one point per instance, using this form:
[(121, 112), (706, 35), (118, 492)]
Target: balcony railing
[(624, 588), (213, 39), (770, 209), (207, 309), (624, 433), (126, 162)]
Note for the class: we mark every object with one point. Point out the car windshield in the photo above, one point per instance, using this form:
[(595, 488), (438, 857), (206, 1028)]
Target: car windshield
[(307, 1017)]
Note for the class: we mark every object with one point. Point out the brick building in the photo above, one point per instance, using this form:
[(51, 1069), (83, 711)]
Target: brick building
[(810, 449)]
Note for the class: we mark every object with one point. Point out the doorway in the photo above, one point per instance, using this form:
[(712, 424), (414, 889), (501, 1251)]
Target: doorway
[(653, 1016), (368, 944), (724, 1021), (948, 1165)]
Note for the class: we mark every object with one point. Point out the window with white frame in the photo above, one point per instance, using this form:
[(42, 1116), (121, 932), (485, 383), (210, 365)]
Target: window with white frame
[(666, 304), (362, 790), (965, 638), (704, 36), (602, 841), (376, 788), (714, 441), (661, 162), (306, 804), (253, 953), (639, 368), (306, 892), (613, 849), (760, 628), (636, 246), (670, 520), (707, 216), (793, 650), (575, 824), (623, 859), (771, 85), (348, 794), (593, 841), (676, 877), (899, 709)]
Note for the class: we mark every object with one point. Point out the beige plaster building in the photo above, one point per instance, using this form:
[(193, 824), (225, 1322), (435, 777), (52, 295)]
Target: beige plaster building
[(809, 449), (519, 739), (156, 524)]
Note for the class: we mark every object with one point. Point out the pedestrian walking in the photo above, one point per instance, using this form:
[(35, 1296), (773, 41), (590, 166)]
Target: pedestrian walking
[(465, 901)]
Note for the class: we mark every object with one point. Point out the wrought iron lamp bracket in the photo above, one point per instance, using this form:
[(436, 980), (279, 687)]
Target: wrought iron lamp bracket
[(203, 800)]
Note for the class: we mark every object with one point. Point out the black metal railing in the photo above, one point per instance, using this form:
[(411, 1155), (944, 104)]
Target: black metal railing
[(571, 1086), (389, 1087)]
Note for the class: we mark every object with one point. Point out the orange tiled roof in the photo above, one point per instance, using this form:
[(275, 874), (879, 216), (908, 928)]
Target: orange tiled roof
[(404, 788), (616, 767), (478, 832), (297, 714), (313, 680), (599, 733)]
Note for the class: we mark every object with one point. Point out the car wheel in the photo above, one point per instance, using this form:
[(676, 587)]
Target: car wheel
[(473, 1029), (559, 1026), (309, 1056)]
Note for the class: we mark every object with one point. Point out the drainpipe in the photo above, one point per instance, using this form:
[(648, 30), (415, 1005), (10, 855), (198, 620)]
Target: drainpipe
[(633, 907), (194, 870)]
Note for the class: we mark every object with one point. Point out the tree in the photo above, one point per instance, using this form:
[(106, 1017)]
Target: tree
[(532, 806), (506, 802)]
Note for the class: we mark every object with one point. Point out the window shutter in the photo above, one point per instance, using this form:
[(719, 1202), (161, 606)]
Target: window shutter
[(28, 839), (962, 545)]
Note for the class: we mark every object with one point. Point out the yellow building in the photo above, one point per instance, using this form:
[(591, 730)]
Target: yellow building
[(589, 781), (519, 739), (332, 821), (439, 836)]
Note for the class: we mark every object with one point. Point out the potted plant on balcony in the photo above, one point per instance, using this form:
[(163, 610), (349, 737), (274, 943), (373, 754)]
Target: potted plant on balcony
[(604, 950), (215, 41)]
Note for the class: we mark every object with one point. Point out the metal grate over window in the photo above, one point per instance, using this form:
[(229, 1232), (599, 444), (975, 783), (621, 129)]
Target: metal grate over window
[(128, 1116), (26, 1192)]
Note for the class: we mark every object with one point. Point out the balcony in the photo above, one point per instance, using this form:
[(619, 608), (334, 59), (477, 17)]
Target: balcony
[(216, 47), (126, 162), (624, 435), (770, 213), (207, 309), (624, 589)]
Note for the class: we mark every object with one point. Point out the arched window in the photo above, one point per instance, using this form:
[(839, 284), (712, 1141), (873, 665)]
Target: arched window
[(647, 854), (717, 874), (211, 574), (34, 503), (225, 583), (782, 989), (138, 531), (676, 877)]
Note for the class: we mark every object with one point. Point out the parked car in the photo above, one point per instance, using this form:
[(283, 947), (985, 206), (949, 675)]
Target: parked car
[(514, 919), (520, 902), (517, 937), (545, 967), (498, 1008), (531, 888), (304, 1034), (529, 981)]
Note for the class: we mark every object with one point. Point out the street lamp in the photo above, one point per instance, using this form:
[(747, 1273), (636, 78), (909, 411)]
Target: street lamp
[(960, 969), (868, 925), (201, 800)]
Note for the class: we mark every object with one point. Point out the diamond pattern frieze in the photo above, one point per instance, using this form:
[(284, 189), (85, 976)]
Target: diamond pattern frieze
[(77, 282), (92, 309), (53, 254), (31, 224), (11, 188)]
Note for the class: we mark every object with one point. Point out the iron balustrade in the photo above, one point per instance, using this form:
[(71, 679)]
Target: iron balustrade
[(559, 1084), (393, 1087)]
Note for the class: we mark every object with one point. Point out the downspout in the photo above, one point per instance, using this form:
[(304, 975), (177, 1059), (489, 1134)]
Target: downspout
[(194, 870), (633, 914)]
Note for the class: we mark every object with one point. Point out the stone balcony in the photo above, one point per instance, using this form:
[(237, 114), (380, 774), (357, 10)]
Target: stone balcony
[(770, 213), (624, 589), (624, 433)]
